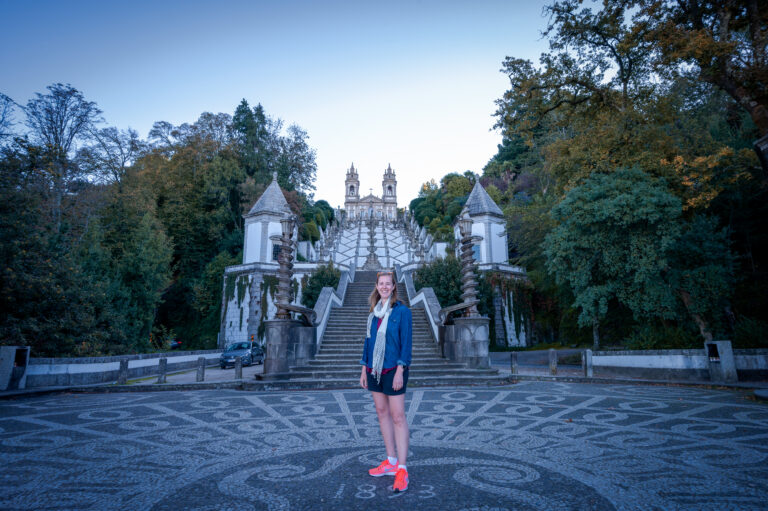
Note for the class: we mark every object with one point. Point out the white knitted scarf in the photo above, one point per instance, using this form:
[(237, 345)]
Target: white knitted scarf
[(380, 311)]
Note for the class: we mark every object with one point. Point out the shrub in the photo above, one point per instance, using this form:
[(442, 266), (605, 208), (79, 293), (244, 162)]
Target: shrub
[(444, 277), (661, 337), (750, 333), (325, 276)]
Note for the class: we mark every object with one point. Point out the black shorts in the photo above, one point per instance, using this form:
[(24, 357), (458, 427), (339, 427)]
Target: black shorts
[(385, 386)]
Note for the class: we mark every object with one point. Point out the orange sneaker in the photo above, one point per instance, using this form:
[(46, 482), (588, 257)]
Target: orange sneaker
[(401, 481), (385, 469)]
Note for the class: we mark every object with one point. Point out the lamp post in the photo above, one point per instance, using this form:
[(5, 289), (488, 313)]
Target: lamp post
[(468, 282), (283, 296)]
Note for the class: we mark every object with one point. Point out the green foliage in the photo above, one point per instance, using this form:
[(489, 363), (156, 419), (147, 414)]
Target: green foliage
[(208, 292), (750, 333), (612, 241), (656, 336), (119, 243), (263, 149), (621, 237), (325, 276), (437, 207), (444, 277), (311, 232), (701, 271)]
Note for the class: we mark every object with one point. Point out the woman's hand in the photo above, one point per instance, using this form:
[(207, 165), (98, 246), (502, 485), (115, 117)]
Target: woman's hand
[(397, 381), (363, 379)]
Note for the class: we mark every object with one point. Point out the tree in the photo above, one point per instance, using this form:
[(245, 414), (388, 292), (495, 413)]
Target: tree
[(701, 272), (263, 149), (254, 132), (586, 105), (611, 243), (604, 96), (46, 301), (455, 185), (295, 166), (6, 118), (58, 121), (111, 153), (621, 237), (724, 41)]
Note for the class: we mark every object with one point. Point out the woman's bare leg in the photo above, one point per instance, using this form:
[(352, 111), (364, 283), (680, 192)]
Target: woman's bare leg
[(397, 414), (385, 422)]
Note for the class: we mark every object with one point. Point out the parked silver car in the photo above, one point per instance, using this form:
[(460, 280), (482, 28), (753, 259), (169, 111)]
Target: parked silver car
[(249, 353)]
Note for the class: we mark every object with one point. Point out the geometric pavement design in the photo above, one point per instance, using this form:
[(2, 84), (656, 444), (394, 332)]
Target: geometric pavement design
[(533, 445)]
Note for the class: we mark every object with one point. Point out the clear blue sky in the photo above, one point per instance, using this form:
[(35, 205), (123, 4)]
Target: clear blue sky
[(409, 83)]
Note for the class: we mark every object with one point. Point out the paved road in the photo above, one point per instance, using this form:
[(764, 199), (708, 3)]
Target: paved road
[(534, 445), (212, 374)]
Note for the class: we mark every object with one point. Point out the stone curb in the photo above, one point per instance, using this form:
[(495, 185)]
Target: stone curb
[(632, 381), (254, 385)]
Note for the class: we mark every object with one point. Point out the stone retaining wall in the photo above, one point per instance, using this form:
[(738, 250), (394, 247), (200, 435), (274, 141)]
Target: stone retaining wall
[(751, 365), (675, 364), (56, 372)]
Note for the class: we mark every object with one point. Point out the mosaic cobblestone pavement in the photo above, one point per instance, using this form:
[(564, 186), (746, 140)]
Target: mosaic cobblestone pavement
[(534, 445)]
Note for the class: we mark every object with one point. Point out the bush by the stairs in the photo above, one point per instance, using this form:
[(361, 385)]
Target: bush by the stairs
[(325, 276), (444, 277)]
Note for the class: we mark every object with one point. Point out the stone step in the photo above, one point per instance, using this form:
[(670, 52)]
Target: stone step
[(344, 364), (342, 343), (297, 372), (358, 338), (417, 351), (348, 334), (358, 342), (413, 380)]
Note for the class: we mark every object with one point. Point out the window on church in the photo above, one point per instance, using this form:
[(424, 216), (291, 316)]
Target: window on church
[(275, 251), (389, 190), (351, 190)]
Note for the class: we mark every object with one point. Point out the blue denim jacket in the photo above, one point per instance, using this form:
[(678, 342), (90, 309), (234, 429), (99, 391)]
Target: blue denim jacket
[(399, 338)]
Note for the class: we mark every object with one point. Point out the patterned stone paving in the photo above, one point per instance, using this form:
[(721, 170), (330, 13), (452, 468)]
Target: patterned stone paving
[(534, 445)]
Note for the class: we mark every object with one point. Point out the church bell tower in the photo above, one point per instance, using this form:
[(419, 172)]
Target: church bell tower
[(352, 194), (389, 193)]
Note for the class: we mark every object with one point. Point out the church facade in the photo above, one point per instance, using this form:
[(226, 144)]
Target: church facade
[(384, 207)]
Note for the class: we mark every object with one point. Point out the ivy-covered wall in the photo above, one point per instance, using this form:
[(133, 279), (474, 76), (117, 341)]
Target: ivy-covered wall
[(515, 304), (249, 299), (235, 308)]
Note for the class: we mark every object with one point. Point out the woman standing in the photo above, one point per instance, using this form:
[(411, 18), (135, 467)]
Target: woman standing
[(386, 357)]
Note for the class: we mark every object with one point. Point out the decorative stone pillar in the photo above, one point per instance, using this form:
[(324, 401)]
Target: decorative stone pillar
[(122, 373), (468, 282), (722, 364), (290, 342), (586, 363), (162, 369), (467, 341), (552, 355), (200, 369), (285, 259)]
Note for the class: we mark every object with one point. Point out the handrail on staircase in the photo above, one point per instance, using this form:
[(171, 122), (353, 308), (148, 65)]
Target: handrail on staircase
[(308, 315), (446, 312), (426, 296)]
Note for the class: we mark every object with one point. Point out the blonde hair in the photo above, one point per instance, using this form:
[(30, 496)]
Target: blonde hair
[(375, 296)]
